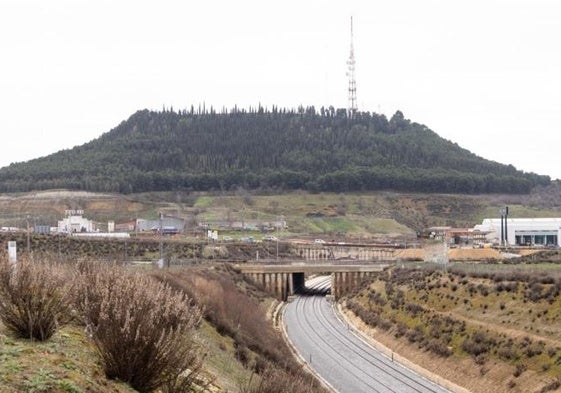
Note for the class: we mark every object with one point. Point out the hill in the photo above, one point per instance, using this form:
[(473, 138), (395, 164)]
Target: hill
[(259, 149)]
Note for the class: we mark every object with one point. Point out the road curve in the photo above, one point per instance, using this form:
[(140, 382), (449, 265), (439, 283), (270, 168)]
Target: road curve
[(345, 361)]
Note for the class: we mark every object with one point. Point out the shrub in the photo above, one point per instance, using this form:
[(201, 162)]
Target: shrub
[(401, 330), (534, 293), (142, 329), (440, 348), (478, 343), (35, 297), (480, 359), (507, 352), (243, 354), (483, 289), (415, 335), (279, 381), (414, 309), (520, 368), (232, 303), (534, 349), (376, 298), (555, 384)]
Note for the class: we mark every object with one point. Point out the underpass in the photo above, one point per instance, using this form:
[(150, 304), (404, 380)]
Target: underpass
[(284, 280), (340, 357)]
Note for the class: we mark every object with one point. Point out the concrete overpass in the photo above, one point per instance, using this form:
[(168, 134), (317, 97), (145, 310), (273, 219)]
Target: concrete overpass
[(284, 280), (333, 251)]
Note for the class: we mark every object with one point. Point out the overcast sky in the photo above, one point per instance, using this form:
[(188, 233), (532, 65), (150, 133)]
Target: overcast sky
[(485, 74)]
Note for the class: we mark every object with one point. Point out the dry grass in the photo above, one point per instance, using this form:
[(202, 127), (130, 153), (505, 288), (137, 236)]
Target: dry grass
[(66, 363), (277, 381)]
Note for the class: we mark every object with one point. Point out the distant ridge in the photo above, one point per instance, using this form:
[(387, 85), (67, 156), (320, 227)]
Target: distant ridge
[(280, 149)]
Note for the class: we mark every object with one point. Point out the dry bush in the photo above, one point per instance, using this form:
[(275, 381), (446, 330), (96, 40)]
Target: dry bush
[(234, 314), (278, 381), (415, 335), (478, 343), (371, 317), (439, 347), (143, 330), (520, 368), (35, 297), (553, 385), (232, 305)]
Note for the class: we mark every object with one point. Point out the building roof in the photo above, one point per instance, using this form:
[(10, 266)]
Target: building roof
[(542, 223)]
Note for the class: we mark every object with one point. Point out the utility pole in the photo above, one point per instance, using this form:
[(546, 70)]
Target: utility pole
[(161, 240), (278, 224), (503, 211), (506, 225), (28, 236)]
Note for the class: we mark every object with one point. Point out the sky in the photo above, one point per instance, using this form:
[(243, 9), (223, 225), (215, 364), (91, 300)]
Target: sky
[(485, 74)]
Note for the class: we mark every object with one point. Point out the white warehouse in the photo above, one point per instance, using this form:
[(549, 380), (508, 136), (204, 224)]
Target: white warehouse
[(75, 224), (524, 231)]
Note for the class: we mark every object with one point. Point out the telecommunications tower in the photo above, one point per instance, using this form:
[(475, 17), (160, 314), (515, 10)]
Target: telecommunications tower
[(351, 74)]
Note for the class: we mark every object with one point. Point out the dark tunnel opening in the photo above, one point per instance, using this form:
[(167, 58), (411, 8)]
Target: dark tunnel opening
[(315, 286)]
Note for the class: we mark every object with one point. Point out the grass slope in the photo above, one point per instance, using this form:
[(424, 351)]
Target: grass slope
[(65, 363), (243, 350), (355, 215), (490, 328)]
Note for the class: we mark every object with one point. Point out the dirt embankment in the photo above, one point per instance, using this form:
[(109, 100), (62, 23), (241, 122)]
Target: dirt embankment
[(493, 334)]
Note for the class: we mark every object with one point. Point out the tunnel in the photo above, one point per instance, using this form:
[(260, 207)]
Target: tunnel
[(316, 286)]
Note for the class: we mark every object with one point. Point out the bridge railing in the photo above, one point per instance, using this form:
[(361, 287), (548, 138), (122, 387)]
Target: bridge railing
[(342, 262)]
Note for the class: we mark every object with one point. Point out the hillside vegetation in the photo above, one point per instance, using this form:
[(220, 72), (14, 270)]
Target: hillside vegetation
[(484, 327), (90, 326), (259, 149), (351, 215)]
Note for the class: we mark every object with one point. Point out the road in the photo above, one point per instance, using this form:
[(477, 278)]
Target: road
[(345, 361)]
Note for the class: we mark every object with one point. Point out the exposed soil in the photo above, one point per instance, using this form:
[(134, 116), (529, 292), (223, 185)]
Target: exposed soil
[(454, 254)]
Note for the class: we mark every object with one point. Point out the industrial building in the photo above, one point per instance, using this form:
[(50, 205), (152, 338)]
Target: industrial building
[(168, 224), (523, 231), (75, 223)]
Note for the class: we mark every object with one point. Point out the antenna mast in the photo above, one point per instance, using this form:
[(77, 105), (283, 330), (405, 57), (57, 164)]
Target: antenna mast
[(351, 74)]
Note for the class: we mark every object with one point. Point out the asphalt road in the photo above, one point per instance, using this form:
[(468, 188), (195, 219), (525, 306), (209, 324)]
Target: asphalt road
[(345, 361)]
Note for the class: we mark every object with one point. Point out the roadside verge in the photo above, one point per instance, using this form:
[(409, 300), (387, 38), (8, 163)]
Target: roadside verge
[(395, 357)]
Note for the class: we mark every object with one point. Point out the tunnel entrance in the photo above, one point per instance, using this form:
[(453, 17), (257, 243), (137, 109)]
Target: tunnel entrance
[(287, 280), (317, 285)]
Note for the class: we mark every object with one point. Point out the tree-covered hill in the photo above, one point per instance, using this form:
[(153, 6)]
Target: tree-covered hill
[(308, 149)]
